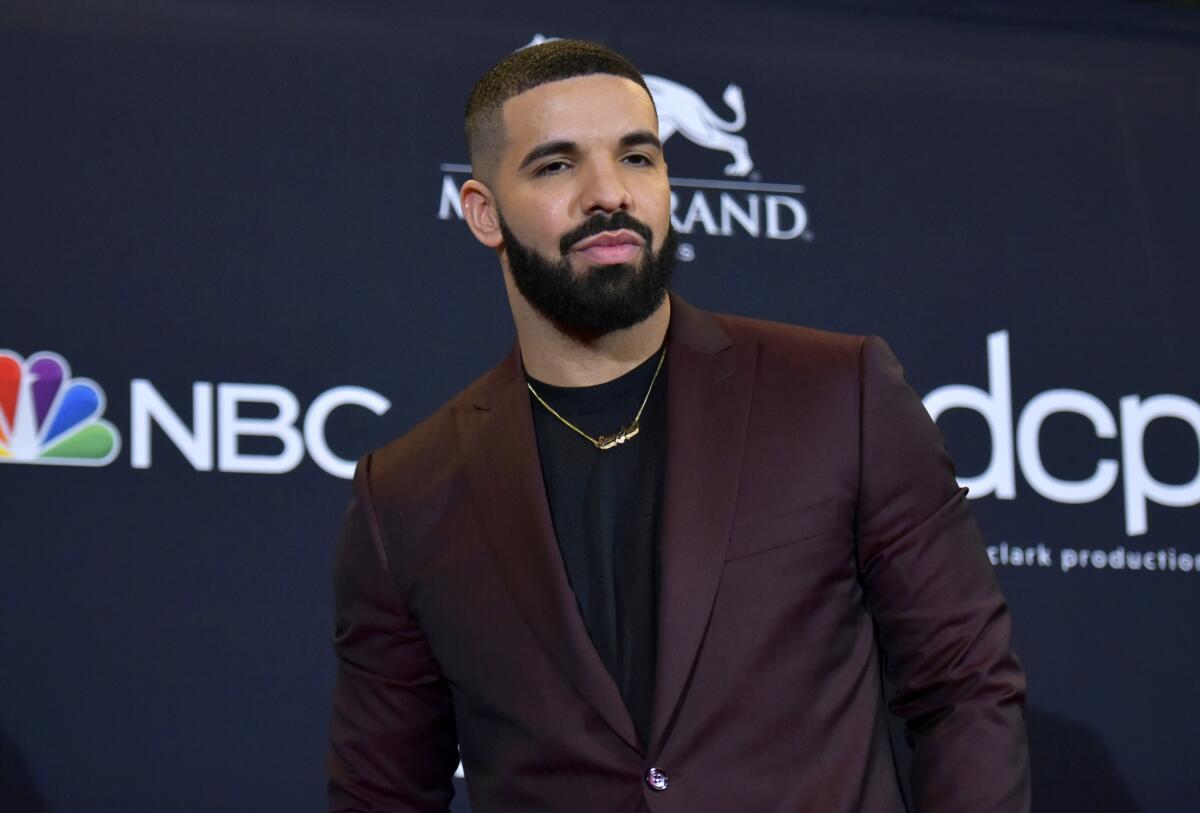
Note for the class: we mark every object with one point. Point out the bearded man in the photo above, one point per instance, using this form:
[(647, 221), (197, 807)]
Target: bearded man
[(658, 559)]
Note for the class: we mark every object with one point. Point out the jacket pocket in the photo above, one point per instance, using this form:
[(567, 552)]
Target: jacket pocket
[(762, 533)]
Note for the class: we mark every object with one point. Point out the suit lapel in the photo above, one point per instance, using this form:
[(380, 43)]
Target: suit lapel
[(500, 449), (709, 381)]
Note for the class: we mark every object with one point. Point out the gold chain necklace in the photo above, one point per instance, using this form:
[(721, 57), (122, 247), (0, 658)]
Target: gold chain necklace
[(621, 435)]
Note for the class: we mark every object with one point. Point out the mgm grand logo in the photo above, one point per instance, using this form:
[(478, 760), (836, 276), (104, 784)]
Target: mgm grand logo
[(739, 203)]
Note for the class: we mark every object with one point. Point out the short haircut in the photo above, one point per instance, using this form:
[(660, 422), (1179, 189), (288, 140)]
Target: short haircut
[(523, 70)]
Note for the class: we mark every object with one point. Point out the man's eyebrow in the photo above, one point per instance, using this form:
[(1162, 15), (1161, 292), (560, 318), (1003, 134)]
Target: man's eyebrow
[(549, 148), (639, 137), (634, 139)]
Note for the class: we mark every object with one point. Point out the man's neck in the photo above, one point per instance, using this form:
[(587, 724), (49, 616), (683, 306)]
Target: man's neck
[(565, 359)]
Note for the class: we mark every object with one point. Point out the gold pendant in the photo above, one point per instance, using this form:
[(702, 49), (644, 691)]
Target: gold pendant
[(623, 434)]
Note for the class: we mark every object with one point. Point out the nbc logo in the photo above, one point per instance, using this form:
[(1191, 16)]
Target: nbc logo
[(46, 416)]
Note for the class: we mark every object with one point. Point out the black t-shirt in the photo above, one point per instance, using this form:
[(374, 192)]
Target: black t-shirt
[(607, 508)]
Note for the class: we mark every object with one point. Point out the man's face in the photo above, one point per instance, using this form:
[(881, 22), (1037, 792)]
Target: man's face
[(584, 202)]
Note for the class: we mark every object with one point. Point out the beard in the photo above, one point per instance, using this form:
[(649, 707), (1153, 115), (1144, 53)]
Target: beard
[(602, 298)]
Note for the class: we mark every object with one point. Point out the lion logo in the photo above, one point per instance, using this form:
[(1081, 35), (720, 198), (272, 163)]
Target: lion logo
[(684, 111)]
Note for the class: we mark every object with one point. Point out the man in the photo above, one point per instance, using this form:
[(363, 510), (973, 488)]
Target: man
[(658, 559)]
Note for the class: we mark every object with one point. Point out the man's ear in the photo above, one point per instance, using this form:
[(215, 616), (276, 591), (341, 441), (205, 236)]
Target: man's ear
[(480, 212)]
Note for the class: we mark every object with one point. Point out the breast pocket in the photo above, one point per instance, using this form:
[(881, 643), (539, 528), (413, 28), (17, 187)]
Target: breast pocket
[(763, 533)]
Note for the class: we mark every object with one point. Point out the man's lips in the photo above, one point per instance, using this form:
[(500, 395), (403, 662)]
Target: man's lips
[(610, 246)]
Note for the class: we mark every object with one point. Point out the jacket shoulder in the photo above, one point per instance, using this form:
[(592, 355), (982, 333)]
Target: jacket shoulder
[(416, 461), (796, 347)]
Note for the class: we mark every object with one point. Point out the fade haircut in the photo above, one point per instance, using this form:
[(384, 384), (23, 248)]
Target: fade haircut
[(523, 70)]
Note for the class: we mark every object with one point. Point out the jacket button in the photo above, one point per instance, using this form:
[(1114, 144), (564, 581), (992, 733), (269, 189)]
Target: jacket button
[(656, 779)]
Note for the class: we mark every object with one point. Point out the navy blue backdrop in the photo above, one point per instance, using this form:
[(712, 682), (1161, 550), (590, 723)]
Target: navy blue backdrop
[(231, 262)]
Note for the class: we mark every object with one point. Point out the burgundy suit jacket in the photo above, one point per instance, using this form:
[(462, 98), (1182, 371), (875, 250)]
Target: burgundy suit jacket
[(813, 538)]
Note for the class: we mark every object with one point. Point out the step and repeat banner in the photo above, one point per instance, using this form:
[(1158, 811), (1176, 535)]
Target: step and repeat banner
[(233, 260)]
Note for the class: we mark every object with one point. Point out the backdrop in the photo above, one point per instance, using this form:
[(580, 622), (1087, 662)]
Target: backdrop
[(232, 261)]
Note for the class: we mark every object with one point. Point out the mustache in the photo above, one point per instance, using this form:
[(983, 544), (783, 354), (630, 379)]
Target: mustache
[(598, 223)]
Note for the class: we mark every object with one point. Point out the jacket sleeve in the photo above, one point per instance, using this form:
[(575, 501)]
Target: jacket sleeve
[(943, 626), (392, 739)]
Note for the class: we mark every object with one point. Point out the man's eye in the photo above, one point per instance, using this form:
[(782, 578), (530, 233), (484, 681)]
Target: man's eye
[(639, 159), (552, 168)]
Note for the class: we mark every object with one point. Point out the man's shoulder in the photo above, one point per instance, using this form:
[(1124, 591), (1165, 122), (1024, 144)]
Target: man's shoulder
[(422, 452), (785, 332), (792, 345)]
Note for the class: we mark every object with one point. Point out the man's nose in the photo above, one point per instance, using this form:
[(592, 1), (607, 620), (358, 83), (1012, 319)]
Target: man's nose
[(604, 189)]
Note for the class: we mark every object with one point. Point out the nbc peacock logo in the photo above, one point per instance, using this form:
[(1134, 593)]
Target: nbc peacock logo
[(48, 417)]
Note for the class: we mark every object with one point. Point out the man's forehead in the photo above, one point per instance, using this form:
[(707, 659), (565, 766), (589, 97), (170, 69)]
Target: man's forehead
[(588, 101)]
